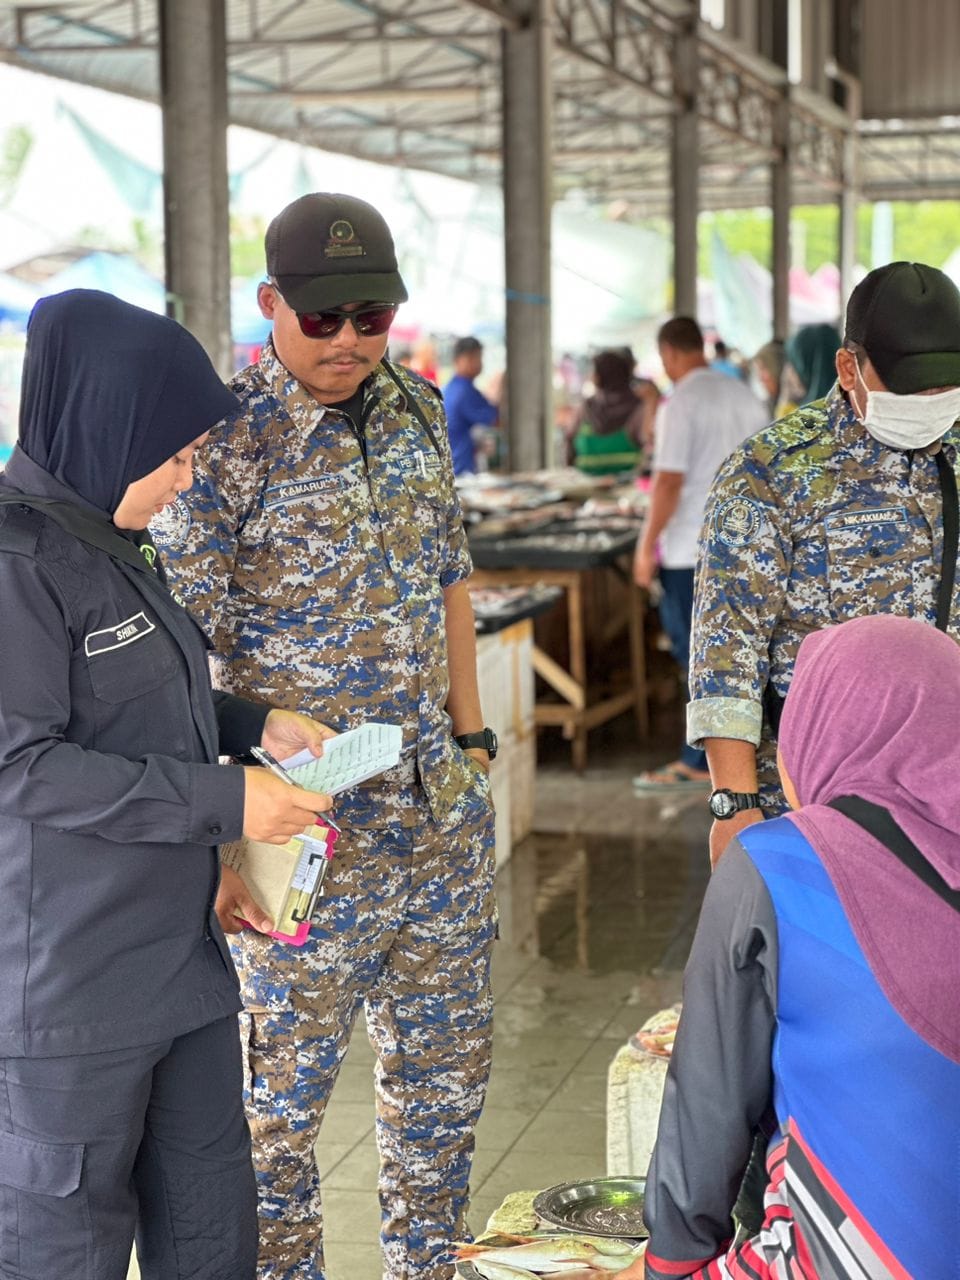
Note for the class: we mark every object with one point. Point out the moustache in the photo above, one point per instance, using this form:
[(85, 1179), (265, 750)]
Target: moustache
[(343, 360)]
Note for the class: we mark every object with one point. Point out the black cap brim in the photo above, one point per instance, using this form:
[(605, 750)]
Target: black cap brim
[(921, 371), (320, 293)]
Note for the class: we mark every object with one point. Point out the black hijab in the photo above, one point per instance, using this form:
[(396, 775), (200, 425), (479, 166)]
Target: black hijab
[(110, 392)]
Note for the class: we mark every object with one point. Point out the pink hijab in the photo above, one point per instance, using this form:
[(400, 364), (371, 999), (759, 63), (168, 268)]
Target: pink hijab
[(874, 711)]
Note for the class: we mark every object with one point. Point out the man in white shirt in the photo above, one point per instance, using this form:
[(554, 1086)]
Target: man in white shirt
[(707, 416)]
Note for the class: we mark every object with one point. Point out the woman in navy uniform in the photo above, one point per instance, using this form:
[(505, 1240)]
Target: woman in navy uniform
[(120, 1072)]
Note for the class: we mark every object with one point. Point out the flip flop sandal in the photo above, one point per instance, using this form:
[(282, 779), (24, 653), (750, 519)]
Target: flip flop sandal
[(669, 778)]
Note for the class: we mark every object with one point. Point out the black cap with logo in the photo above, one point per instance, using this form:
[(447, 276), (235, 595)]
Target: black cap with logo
[(325, 249), (906, 316)]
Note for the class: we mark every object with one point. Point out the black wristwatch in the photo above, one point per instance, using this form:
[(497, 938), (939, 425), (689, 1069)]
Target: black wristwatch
[(487, 740), (725, 803)]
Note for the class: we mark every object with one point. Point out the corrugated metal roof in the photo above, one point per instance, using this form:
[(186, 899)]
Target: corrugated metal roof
[(417, 83), (910, 58)]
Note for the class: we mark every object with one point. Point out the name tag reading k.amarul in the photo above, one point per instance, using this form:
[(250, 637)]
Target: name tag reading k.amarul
[(279, 495)]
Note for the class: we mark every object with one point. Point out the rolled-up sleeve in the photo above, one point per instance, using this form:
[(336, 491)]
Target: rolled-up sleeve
[(743, 568)]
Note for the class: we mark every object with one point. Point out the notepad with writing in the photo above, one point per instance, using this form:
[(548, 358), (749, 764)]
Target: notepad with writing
[(285, 879)]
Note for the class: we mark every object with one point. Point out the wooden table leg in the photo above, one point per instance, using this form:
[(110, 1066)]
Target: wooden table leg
[(638, 657), (578, 664)]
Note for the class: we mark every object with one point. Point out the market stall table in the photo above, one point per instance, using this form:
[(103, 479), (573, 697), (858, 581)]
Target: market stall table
[(567, 554)]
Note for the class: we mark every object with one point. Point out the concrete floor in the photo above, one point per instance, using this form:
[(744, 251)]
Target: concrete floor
[(597, 915)]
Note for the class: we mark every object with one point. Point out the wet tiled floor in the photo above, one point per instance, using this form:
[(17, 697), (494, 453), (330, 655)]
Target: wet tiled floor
[(597, 915)]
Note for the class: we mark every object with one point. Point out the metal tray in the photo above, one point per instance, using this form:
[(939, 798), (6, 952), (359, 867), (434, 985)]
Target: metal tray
[(601, 1207)]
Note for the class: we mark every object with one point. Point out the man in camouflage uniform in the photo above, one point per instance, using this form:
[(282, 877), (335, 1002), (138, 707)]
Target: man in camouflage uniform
[(323, 546), (833, 512)]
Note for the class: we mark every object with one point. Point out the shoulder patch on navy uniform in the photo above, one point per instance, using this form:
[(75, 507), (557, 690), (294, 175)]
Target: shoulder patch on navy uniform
[(795, 431), (737, 521), (170, 527), (20, 528)]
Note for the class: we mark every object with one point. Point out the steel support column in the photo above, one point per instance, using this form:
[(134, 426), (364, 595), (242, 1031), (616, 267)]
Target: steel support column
[(849, 195), (528, 199), (780, 204), (685, 169), (849, 204), (781, 193), (193, 80)]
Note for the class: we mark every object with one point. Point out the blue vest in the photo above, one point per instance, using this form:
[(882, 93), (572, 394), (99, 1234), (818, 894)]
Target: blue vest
[(877, 1107)]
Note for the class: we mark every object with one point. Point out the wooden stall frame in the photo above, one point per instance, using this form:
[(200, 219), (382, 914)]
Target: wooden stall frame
[(575, 714)]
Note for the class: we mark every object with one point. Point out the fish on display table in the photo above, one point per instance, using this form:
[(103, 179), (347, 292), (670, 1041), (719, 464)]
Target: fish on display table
[(569, 1256)]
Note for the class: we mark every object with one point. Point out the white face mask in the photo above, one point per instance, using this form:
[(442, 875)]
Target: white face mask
[(909, 422)]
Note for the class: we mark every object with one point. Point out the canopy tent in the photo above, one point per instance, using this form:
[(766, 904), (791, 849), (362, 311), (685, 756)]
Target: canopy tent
[(115, 273), (738, 302)]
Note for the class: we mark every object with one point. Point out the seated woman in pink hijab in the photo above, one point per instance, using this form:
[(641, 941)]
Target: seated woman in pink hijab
[(822, 997)]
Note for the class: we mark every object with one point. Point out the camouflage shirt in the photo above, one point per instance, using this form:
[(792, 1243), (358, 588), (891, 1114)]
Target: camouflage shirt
[(316, 552), (810, 522)]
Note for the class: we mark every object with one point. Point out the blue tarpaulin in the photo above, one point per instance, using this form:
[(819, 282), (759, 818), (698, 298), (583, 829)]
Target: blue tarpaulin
[(16, 301)]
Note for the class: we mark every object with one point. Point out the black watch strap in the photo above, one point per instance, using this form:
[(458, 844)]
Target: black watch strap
[(725, 803), (486, 741)]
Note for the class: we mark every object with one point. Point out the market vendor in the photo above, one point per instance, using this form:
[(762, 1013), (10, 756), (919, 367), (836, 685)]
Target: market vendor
[(820, 999), (613, 430)]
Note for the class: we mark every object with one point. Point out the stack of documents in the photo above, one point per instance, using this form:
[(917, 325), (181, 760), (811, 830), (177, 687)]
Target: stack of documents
[(348, 759), (285, 879)]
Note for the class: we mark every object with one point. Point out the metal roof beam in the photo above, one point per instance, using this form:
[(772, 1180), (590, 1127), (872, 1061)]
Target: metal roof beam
[(54, 16)]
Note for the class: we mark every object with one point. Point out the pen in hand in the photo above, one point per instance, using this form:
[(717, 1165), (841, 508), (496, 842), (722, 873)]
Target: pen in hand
[(278, 771)]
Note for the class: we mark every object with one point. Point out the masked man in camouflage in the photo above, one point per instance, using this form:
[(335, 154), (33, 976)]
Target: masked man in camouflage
[(323, 547), (836, 511)]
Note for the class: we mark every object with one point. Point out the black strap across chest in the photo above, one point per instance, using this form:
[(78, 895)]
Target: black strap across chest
[(879, 823), (951, 530), (76, 521), (773, 699), (411, 402)]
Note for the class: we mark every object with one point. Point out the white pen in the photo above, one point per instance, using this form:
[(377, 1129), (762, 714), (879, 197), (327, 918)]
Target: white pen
[(278, 771)]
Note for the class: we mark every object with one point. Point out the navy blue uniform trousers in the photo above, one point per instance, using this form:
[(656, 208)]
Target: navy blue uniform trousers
[(151, 1141)]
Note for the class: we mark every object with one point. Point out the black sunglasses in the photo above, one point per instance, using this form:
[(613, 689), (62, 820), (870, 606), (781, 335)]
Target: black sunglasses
[(369, 322)]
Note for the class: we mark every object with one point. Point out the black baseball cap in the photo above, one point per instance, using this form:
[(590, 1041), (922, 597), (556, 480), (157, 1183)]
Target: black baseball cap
[(906, 316), (326, 249)]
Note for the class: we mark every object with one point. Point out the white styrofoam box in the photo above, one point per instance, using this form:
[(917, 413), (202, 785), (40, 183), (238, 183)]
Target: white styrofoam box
[(525, 678), (500, 793), (522, 763), (634, 1091), (495, 682), (506, 678)]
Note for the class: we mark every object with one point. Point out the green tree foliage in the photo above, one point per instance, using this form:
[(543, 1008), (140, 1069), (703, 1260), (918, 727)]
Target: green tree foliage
[(924, 231), (14, 149), (246, 246), (927, 231)]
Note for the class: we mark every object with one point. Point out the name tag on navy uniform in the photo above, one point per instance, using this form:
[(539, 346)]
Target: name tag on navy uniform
[(124, 633), (869, 516)]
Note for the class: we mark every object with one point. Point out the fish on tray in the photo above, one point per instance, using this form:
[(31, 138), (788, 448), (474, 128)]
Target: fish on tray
[(570, 1256)]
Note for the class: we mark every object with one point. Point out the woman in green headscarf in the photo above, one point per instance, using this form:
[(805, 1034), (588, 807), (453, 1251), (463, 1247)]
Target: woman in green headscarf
[(810, 369)]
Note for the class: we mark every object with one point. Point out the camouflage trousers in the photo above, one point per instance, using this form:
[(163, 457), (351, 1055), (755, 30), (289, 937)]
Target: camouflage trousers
[(405, 928)]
